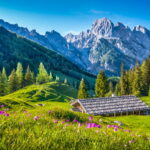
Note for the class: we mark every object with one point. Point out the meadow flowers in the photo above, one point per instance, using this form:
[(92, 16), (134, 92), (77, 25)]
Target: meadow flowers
[(90, 118), (55, 121), (4, 113), (36, 118), (92, 125)]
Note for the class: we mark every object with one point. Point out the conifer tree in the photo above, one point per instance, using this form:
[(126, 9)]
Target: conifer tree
[(57, 78), (29, 77), (149, 91), (101, 86), (138, 83), (12, 82), (82, 91), (111, 88), (117, 90), (19, 75), (146, 76), (42, 76), (3, 83), (50, 76), (124, 83), (65, 81)]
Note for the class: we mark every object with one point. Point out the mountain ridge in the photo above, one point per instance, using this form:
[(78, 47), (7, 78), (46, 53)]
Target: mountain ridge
[(94, 49)]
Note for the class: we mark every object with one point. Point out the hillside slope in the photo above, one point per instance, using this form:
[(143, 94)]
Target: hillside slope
[(14, 49), (48, 92)]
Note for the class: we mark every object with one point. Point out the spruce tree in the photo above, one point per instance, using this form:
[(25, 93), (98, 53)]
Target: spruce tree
[(101, 86), (65, 81), (149, 91), (111, 88), (3, 83), (42, 76), (12, 82), (124, 83), (117, 90), (57, 78), (146, 76), (138, 83), (50, 77), (29, 77), (19, 75), (82, 91)]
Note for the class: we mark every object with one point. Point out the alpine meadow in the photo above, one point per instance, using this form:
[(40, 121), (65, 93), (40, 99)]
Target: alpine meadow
[(78, 86)]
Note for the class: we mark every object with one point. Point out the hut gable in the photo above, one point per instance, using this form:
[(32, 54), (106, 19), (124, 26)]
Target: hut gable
[(112, 105)]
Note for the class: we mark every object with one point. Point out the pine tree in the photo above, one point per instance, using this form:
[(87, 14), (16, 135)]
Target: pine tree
[(111, 88), (29, 77), (12, 82), (82, 91), (19, 75), (101, 86), (138, 83), (3, 83), (124, 83), (50, 76), (117, 90), (149, 91), (57, 78), (42, 76), (65, 81), (146, 76)]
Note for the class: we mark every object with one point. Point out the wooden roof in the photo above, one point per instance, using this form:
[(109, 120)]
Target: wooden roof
[(109, 105)]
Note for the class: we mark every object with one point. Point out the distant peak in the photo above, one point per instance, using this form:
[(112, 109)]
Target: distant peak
[(102, 21), (140, 29), (103, 27)]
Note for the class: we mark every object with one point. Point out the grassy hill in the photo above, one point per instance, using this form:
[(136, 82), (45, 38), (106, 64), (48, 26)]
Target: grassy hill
[(48, 92), (54, 126)]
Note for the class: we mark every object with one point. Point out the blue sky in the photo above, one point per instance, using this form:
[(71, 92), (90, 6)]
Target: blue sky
[(73, 15)]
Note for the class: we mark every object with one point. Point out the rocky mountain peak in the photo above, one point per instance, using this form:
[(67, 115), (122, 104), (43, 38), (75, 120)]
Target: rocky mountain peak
[(140, 29), (102, 27)]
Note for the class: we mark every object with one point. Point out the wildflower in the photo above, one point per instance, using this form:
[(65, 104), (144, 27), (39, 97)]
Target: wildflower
[(2, 106), (115, 129), (92, 125), (63, 122), (55, 121), (36, 118), (50, 111), (2, 112), (75, 120), (109, 126), (90, 118), (131, 141), (7, 115)]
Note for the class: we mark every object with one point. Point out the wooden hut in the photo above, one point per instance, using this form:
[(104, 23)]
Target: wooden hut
[(111, 106)]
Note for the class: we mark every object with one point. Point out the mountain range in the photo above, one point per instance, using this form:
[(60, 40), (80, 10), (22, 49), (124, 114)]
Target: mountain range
[(105, 46), (15, 48)]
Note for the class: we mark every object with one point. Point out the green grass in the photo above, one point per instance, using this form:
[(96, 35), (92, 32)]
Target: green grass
[(146, 99), (20, 131), (28, 96)]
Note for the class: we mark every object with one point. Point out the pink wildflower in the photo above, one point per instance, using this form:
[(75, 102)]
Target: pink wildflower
[(92, 125), (115, 129), (55, 121), (36, 118), (90, 118)]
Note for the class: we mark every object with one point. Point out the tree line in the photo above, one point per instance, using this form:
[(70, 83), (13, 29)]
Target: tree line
[(135, 81), (19, 79)]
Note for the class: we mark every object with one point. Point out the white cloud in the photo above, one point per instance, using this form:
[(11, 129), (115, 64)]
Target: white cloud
[(99, 12)]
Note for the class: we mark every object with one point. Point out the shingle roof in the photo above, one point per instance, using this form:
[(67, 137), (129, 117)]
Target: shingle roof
[(109, 105)]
